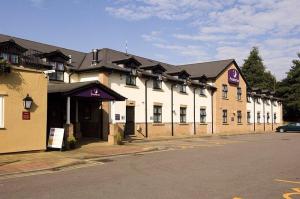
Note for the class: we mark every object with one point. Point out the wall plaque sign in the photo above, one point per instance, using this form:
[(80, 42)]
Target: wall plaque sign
[(25, 115), (233, 76)]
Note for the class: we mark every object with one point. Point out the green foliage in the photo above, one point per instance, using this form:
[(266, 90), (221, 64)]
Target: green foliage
[(4, 66), (289, 90), (255, 72), (71, 142)]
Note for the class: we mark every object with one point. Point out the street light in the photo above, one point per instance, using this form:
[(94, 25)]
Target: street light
[(27, 102)]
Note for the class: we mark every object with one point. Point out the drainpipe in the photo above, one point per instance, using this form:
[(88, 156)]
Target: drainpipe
[(272, 115), (212, 111), (146, 107), (194, 111), (264, 115), (172, 119), (70, 77), (254, 115)]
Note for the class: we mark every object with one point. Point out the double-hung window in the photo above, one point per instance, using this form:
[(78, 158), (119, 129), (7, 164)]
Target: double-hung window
[(224, 116), (275, 117), (239, 117), (239, 93), (224, 91), (258, 117), (157, 84), (248, 117), (202, 91), (182, 88), (248, 98), (59, 71), (1, 111), (157, 114), (130, 79), (268, 117), (202, 115), (182, 114)]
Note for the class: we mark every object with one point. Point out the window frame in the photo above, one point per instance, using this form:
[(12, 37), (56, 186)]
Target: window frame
[(258, 117), (54, 76), (224, 91), (157, 114), (225, 116), (203, 116), (239, 93), (202, 92), (239, 116), (268, 118), (248, 117), (130, 80), (182, 114), (274, 117), (182, 88), (157, 84)]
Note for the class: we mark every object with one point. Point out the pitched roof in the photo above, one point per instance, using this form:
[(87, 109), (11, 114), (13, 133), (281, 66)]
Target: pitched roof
[(209, 69), (77, 57)]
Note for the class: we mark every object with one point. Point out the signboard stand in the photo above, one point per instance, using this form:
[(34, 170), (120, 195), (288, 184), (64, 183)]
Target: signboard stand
[(56, 137)]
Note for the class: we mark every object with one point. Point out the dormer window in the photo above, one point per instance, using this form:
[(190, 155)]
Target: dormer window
[(131, 78), (258, 100), (248, 98), (11, 51), (202, 91), (157, 83), (182, 88), (58, 75)]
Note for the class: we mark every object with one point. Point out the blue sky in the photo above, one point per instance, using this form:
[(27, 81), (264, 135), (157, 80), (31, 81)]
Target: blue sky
[(173, 31)]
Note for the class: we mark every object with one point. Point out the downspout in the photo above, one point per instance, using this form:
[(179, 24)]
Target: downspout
[(146, 107), (70, 77), (264, 115), (212, 111), (194, 111), (254, 115), (272, 115), (172, 119)]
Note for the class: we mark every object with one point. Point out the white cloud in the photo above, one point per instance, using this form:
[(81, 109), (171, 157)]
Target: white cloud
[(230, 28)]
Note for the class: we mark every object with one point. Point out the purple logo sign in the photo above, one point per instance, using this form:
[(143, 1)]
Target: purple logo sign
[(233, 76), (95, 92)]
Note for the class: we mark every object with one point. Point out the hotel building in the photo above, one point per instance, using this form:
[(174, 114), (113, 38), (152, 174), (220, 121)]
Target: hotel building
[(105, 92)]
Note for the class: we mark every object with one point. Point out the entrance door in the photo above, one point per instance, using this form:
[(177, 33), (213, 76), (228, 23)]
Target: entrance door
[(129, 120), (89, 116)]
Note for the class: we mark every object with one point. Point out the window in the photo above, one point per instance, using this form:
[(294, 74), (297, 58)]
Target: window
[(275, 117), (182, 114), (224, 116), (267, 102), (258, 117), (1, 111), (239, 93), (58, 75), (157, 114), (248, 117), (14, 59), (130, 80), (248, 99), (202, 91), (224, 91), (157, 84), (239, 116), (274, 103), (268, 117), (202, 115), (182, 88), (258, 100)]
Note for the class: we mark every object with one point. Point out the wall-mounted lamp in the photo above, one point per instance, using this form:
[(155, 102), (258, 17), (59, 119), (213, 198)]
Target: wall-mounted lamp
[(27, 102)]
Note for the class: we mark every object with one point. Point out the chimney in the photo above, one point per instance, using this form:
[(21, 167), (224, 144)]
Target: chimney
[(70, 59), (95, 56)]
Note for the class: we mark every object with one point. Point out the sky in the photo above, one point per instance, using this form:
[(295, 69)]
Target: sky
[(172, 31)]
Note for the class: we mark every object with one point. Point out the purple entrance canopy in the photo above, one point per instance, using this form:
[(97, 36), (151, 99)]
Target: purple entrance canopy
[(93, 89)]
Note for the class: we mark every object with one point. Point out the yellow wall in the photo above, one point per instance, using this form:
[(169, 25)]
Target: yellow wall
[(231, 104), (17, 134)]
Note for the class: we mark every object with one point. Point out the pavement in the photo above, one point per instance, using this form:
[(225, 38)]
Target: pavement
[(264, 166), (12, 165)]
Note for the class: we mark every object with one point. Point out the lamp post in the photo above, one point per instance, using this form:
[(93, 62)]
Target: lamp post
[(27, 102)]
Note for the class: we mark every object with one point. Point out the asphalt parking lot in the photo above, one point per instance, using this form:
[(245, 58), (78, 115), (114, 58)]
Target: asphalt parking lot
[(258, 166)]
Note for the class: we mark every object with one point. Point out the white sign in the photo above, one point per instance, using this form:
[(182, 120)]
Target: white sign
[(56, 137)]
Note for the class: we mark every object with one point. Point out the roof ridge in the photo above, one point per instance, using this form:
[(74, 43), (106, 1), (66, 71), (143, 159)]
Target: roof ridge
[(206, 62)]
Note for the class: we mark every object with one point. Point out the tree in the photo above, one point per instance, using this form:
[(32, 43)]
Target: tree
[(255, 72), (289, 90)]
